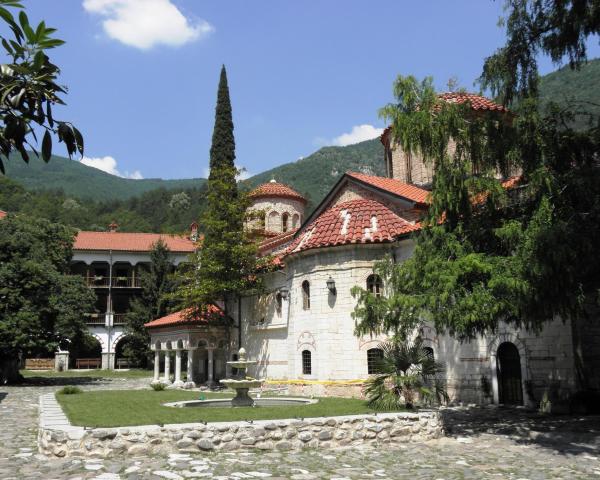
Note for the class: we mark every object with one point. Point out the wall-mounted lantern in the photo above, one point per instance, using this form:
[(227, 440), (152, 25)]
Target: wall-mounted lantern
[(284, 292), (331, 285)]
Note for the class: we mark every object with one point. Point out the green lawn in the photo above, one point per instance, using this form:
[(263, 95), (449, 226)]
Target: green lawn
[(87, 373), (112, 408)]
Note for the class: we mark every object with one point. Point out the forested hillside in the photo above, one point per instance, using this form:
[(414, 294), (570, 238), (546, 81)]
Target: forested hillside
[(580, 88), (158, 210), (70, 192), (83, 182)]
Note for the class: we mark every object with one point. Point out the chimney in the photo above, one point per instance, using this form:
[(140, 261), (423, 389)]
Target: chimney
[(113, 227), (194, 231)]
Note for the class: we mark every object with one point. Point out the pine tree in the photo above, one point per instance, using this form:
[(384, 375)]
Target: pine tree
[(224, 266)]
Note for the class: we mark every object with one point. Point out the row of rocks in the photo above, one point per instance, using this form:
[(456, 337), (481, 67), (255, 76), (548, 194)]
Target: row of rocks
[(279, 435)]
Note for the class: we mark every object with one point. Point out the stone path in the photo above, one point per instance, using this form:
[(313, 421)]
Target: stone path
[(482, 443)]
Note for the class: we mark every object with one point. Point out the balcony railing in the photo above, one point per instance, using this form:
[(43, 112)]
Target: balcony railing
[(95, 319), (100, 319), (117, 282)]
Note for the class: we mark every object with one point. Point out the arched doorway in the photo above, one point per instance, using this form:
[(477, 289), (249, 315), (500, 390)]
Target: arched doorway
[(510, 385), (86, 354)]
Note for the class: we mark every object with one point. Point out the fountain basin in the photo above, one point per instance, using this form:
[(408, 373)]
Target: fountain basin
[(258, 402)]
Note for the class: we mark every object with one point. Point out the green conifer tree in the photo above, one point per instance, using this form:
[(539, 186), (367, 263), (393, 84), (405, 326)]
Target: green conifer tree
[(225, 265)]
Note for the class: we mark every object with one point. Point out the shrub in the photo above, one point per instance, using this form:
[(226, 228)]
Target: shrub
[(70, 390), (158, 386)]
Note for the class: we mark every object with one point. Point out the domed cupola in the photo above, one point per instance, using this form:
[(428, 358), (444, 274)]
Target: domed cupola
[(277, 208)]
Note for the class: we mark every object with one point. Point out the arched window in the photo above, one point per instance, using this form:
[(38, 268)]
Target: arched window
[(284, 222), (278, 303), (374, 356), (306, 295), (306, 362), (295, 220), (429, 352), (375, 285), (273, 220)]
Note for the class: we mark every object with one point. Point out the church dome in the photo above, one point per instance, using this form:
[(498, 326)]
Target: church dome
[(274, 189)]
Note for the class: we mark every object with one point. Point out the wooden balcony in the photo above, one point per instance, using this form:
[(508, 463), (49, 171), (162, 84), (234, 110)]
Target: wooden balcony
[(95, 319), (117, 282), (99, 319)]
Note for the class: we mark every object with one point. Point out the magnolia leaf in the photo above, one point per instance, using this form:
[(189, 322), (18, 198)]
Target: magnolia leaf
[(47, 146)]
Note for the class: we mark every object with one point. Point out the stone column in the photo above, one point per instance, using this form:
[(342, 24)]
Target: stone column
[(167, 378), (210, 367), (190, 366), (156, 366), (178, 381)]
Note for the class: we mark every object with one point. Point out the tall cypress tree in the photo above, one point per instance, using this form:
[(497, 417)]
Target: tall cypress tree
[(226, 261)]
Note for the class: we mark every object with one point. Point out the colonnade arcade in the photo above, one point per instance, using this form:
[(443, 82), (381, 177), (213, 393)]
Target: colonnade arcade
[(200, 356)]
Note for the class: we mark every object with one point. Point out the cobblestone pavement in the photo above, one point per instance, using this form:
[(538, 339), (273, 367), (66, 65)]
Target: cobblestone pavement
[(481, 443)]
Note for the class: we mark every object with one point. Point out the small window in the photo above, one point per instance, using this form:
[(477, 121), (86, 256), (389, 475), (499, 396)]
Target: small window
[(306, 295), (375, 285), (278, 303), (429, 352), (295, 221), (284, 222), (374, 356), (306, 362)]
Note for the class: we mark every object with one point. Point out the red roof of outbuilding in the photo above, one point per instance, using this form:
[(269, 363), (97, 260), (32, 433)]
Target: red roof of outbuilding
[(352, 222), (130, 242), (477, 102), (3, 214), (394, 186), (276, 189), (185, 317)]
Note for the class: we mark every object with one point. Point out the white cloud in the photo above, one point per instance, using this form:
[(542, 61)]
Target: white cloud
[(109, 165), (359, 133), (144, 24)]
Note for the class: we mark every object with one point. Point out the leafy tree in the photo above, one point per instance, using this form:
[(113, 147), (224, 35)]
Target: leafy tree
[(406, 374), (180, 201), (28, 89), (42, 307), (225, 265), (156, 284), (488, 255)]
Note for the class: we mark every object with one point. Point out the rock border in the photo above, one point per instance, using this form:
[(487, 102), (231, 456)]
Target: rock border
[(58, 438)]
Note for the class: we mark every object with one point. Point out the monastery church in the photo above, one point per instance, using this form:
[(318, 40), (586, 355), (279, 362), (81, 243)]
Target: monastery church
[(301, 331)]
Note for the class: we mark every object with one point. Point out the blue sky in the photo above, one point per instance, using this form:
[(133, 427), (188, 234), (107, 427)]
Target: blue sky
[(142, 74)]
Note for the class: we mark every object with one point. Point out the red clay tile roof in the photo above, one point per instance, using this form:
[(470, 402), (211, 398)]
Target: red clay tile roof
[(394, 186), (478, 102), (276, 189), (352, 222), (3, 214), (183, 317), (274, 242), (130, 242)]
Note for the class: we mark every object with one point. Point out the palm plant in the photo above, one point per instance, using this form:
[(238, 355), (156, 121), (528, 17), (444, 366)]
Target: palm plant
[(406, 373)]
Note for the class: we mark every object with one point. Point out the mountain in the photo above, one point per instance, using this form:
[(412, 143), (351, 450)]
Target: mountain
[(83, 182), (579, 87), (312, 176)]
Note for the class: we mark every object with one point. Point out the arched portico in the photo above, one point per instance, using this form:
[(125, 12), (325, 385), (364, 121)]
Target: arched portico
[(205, 345)]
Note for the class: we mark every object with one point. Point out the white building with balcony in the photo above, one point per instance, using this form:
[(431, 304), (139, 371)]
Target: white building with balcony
[(111, 263)]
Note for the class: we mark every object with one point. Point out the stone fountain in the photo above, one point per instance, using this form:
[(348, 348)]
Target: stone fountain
[(241, 384)]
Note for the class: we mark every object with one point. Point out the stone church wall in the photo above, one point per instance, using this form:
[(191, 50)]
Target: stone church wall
[(274, 208)]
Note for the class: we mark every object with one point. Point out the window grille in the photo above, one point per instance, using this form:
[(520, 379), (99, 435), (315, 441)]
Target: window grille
[(375, 285), (306, 362), (374, 356)]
